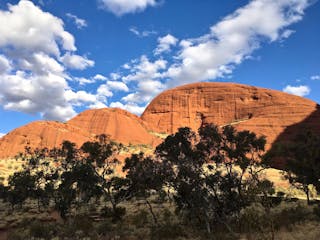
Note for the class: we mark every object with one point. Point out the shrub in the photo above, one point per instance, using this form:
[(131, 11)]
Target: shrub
[(40, 230), (140, 219), (167, 231), (116, 215)]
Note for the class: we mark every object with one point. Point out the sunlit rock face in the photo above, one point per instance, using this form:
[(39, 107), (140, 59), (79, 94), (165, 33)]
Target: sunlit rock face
[(266, 112), (41, 134), (120, 125), (278, 116)]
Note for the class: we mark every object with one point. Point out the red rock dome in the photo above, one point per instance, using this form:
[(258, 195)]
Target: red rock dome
[(266, 112), (122, 126), (41, 134)]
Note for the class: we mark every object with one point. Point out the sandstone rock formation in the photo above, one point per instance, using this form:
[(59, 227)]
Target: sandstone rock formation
[(266, 112), (276, 115), (122, 126), (41, 134)]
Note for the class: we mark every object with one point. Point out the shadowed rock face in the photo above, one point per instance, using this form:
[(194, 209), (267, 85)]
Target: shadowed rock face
[(121, 125), (41, 134), (311, 122), (263, 111)]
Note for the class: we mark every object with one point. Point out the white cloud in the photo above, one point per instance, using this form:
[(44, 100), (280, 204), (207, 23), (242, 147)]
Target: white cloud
[(165, 44), (79, 22), (84, 81), (120, 86), (76, 61), (287, 33), (28, 27), (77, 98), (2, 134), (99, 77), (314, 77), (133, 108), (216, 54), (297, 90), (36, 53), (60, 113), (144, 69), (141, 34), (234, 39), (104, 91), (5, 65), (121, 7)]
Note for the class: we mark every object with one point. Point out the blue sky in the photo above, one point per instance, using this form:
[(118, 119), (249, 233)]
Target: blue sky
[(58, 57)]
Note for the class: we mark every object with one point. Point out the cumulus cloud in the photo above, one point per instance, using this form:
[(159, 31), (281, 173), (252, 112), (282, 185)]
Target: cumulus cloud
[(297, 90), (76, 62), (214, 55), (99, 77), (5, 65), (35, 54), (80, 97), (106, 90), (120, 86), (165, 44), (79, 22), (234, 38), (2, 134), (131, 107), (28, 27), (144, 69), (122, 7)]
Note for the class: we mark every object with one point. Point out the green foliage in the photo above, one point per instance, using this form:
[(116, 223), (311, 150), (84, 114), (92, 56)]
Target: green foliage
[(115, 214), (212, 177), (143, 177), (302, 161), (201, 170)]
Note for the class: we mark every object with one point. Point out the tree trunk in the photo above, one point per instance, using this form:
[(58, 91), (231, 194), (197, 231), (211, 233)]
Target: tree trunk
[(152, 213), (306, 190), (208, 226)]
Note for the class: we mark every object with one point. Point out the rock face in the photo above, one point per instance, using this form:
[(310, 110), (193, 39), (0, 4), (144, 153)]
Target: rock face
[(41, 134), (121, 125), (266, 112), (276, 115)]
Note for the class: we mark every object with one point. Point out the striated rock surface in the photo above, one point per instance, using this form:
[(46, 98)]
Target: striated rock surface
[(274, 114), (122, 126), (266, 112), (40, 134)]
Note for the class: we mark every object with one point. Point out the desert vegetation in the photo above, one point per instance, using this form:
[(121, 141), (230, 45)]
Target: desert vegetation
[(208, 184)]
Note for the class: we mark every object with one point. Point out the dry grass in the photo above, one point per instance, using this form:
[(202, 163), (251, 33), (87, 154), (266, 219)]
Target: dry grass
[(8, 167)]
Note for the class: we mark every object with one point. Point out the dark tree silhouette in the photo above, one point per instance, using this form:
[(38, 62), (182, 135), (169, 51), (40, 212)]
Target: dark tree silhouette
[(143, 177), (303, 161), (206, 171)]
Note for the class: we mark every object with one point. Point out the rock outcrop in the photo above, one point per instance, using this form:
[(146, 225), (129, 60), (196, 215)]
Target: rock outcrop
[(266, 112), (274, 114), (41, 134), (120, 125)]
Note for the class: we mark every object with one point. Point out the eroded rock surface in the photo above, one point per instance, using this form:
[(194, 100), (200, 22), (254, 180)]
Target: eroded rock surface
[(41, 134), (122, 126), (266, 112)]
